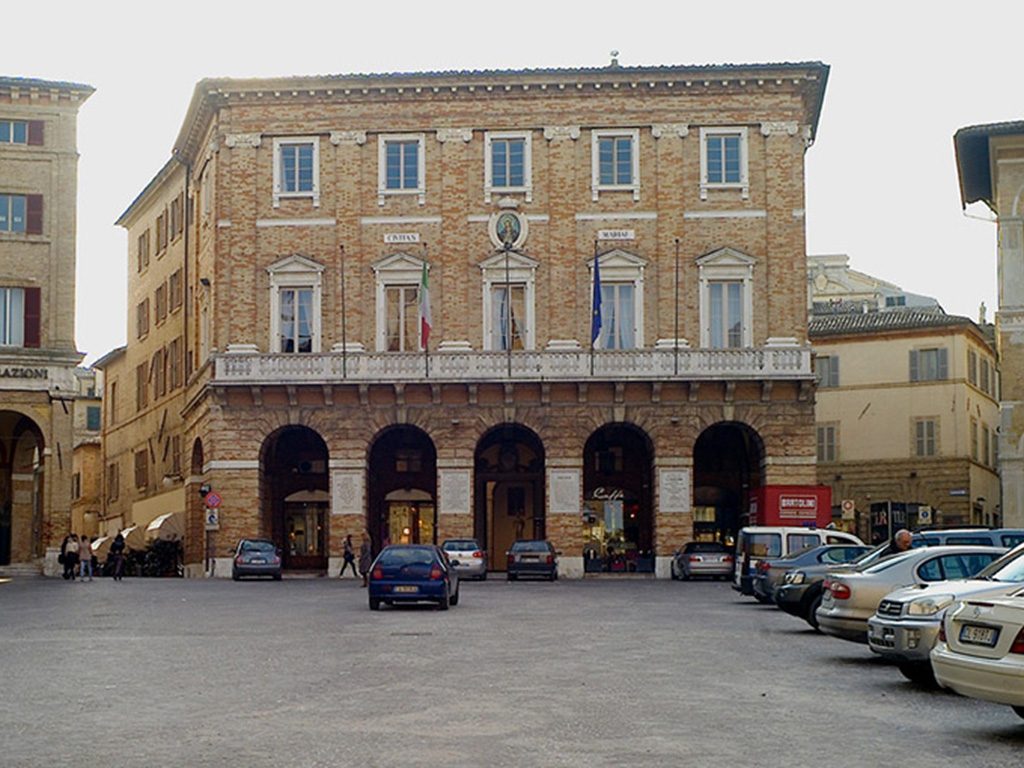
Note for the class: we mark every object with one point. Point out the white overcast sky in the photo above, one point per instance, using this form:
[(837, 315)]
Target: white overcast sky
[(881, 177)]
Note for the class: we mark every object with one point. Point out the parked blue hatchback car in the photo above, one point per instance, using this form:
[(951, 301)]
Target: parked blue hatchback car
[(413, 573)]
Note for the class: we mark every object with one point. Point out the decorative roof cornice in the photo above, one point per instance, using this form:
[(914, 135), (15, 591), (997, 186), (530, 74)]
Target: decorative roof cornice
[(15, 87), (210, 94)]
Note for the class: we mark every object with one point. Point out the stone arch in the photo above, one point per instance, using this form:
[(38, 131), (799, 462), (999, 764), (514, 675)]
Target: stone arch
[(21, 487), (401, 486), (728, 463)]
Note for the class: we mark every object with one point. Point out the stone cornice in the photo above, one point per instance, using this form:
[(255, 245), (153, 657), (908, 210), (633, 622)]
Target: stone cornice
[(779, 129)]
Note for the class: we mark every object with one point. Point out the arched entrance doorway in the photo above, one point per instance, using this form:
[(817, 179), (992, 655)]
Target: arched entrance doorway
[(728, 460), (618, 518), (509, 490), (293, 473), (21, 489), (402, 488)]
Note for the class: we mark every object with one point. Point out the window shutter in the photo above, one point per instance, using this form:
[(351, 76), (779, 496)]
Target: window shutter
[(32, 317), (913, 365), (942, 364), (835, 371), (33, 214), (35, 133)]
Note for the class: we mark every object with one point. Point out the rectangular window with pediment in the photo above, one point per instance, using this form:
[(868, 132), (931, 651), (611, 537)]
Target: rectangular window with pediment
[(296, 319), (508, 318), (295, 288), (402, 326), (726, 301)]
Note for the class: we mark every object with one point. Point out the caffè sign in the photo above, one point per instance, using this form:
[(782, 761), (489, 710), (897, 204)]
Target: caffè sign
[(23, 373), (608, 494)]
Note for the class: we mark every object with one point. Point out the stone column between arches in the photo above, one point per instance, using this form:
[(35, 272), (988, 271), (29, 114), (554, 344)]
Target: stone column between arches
[(673, 505), (347, 516), (564, 483), (455, 499)]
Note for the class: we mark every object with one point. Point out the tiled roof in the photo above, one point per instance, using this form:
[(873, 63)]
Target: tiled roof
[(31, 82), (877, 322)]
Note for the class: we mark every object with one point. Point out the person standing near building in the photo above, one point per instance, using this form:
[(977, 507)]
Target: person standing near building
[(365, 558), (71, 557), (85, 558), (117, 553), (349, 555), (64, 561)]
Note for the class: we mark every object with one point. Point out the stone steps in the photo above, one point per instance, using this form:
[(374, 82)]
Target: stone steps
[(21, 569)]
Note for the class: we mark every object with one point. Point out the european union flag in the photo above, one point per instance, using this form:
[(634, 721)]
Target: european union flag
[(595, 317)]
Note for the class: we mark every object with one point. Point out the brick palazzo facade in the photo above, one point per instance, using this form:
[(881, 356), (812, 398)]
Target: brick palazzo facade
[(319, 207), (38, 387)]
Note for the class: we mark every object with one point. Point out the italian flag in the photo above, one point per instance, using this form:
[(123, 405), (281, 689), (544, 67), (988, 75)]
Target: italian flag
[(425, 320)]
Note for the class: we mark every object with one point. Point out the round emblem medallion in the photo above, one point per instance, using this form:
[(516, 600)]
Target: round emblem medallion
[(508, 229)]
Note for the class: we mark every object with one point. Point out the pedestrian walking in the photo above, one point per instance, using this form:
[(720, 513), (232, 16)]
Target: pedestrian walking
[(365, 558), (71, 557), (349, 555), (85, 558), (117, 553), (63, 559)]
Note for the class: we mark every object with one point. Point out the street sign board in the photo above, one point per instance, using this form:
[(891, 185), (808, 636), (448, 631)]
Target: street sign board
[(213, 500), (212, 520)]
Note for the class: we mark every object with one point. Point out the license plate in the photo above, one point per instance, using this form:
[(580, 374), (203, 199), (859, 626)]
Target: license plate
[(406, 590), (530, 558), (258, 561), (975, 635)]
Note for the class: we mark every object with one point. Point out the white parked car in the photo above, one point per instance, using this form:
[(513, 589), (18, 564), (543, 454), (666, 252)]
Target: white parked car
[(980, 651), (906, 623), (850, 598)]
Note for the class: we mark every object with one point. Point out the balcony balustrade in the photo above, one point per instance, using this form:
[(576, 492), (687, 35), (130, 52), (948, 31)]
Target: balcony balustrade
[(756, 363)]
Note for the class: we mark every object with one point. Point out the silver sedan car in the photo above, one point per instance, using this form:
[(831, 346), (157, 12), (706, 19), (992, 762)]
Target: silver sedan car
[(467, 558), (849, 599), (906, 624), (702, 558)]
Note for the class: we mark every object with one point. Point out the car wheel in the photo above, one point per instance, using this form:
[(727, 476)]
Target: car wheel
[(1019, 711), (762, 599), (919, 672), (277, 577), (455, 597), (812, 612), (510, 577), (672, 572), (235, 577), (483, 576), (685, 575), (443, 603), (374, 603)]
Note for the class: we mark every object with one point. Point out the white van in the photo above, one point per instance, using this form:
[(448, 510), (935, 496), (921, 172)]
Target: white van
[(768, 542)]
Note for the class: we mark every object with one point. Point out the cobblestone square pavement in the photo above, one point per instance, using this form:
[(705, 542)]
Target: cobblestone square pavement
[(586, 673)]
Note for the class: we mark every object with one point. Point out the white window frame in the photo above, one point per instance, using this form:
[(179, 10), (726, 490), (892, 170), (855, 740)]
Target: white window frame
[(382, 166), (743, 185), (398, 269), (596, 186), (279, 193), (726, 264), (489, 187), (522, 270), (14, 317), (294, 272), (622, 267)]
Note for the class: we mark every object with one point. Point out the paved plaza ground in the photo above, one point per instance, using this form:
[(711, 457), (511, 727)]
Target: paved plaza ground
[(577, 673)]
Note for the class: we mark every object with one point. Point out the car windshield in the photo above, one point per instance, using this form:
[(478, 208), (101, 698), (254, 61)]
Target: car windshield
[(406, 556), (530, 546), (257, 546), (458, 545), (704, 546)]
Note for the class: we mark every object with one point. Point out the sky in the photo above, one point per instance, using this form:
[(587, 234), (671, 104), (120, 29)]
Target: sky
[(881, 181)]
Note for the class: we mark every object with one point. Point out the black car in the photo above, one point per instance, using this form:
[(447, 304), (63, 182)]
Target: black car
[(256, 557), (532, 558), (771, 573)]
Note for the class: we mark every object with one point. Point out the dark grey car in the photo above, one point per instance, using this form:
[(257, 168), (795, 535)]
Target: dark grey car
[(256, 557), (532, 558)]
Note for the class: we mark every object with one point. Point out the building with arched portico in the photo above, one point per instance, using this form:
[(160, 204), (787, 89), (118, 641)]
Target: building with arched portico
[(321, 399), (38, 386)]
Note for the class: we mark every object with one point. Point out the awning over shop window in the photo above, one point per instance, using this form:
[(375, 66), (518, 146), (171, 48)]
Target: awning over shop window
[(134, 537), (168, 526)]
